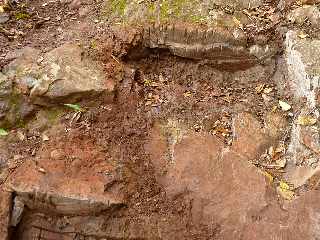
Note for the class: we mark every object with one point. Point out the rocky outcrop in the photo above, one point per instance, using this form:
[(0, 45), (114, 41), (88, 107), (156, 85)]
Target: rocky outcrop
[(302, 56), (224, 188), (49, 185), (195, 30), (59, 76)]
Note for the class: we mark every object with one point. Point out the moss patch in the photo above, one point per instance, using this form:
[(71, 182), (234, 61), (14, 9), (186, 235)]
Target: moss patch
[(139, 12)]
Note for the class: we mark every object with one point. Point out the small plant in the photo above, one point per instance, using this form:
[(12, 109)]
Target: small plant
[(21, 16), (3, 132), (74, 107)]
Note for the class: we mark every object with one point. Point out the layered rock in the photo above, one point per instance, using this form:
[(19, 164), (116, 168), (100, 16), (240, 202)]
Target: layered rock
[(59, 76), (193, 29)]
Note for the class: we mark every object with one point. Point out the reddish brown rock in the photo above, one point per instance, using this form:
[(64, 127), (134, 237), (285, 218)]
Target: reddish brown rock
[(250, 139), (5, 206), (300, 220), (74, 183), (223, 187)]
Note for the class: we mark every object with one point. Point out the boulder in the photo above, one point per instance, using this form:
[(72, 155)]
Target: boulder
[(306, 12), (59, 76), (14, 107)]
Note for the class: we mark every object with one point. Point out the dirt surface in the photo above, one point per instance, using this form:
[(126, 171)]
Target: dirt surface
[(118, 146)]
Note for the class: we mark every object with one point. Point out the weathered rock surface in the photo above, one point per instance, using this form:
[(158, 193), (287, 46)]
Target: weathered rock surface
[(302, 56), (5, 208), (302, 14), (250, 139), (52, 185), (224, 188), (58, 76), (14, 107), (195, 30)]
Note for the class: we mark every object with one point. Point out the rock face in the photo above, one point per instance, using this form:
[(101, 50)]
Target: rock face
[(194, 29), (223, 187), (5, 207), (58, 76), (306, 12), (14, 107), (226, 190), (250, 139), (302, 56), (53, 188)]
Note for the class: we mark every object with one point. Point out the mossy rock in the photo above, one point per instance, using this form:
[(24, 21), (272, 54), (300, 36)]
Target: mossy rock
[(211, 30), (169, 11)]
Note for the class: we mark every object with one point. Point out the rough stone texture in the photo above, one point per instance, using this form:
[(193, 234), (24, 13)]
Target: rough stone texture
[(194, 29), (14, 107), (5, 92), (52, 184), (224, 188), (302, 56), (5, 206), (306, 12), (102, 227), (227, 191), (60, 75), (250, 138)]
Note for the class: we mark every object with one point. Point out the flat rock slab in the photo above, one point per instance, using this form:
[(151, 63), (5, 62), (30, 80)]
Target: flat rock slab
[(56, 184), (225, 189)]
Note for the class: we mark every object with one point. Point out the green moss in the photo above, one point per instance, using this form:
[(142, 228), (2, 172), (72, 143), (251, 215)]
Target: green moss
[(21, 15), (118, 6), (93, 44), (170, 10)]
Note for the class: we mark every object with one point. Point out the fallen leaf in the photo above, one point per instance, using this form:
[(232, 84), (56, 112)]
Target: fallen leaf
[(45, 137), (41, 170), (260, 88), (284, 106), (3, 132), (75, 107), (285, 193), (267, 90), (187, 94), (284, 185), (281, 163), (306, 120), (269, 176), (21, 135), (1, 9), (237, 22), (147, 82), (303, 35)]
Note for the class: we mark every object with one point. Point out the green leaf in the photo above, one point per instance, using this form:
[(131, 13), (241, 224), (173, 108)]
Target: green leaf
[(3, 132), (75, 107)]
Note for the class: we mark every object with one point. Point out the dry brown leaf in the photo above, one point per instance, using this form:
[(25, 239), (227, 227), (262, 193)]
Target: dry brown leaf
[(306, 120), (303, 35)]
